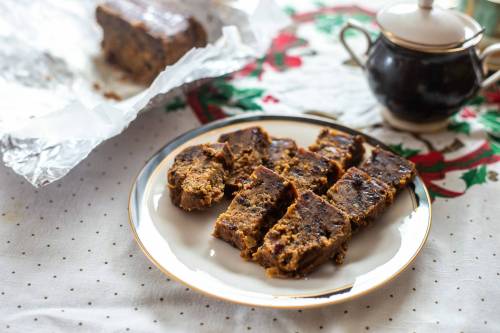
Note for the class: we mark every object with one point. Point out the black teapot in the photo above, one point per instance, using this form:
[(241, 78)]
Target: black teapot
[(424, 65)]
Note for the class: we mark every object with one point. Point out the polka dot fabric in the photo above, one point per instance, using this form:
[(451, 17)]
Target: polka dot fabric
[(69, 263)]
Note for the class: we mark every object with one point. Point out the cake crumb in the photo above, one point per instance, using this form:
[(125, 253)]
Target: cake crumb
[(112, 95)]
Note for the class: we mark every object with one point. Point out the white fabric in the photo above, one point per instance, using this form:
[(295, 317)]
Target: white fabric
[(67, 256)]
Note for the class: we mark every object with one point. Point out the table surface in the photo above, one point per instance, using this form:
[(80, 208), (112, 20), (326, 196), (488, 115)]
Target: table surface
[(68, 260)]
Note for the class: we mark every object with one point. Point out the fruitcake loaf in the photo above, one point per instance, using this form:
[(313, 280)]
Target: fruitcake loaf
[(142, 37)]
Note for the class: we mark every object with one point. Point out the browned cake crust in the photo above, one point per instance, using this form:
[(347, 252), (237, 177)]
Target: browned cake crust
[(254, 210), (339, 257), (311, 233), (143, 37), (390, 168), (309, 171), (347, 150), (280, 150), (360, 196), (250, 148), (196, 179)]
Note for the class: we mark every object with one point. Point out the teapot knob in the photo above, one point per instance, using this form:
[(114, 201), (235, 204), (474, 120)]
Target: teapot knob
[(425, 4)]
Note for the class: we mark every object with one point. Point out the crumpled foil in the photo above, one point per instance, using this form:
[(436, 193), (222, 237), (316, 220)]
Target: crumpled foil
[(53, 77)]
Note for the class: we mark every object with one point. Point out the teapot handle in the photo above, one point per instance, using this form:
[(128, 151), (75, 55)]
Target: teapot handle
[(351, 24), (494, 48)]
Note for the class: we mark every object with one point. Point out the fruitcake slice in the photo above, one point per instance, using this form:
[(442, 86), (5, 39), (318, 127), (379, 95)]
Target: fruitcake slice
[(254, 209), (196, 179), (390, 168), (310, 233), (250, 147), (280, 150), (345, 149), (360, 196), (309, 171)]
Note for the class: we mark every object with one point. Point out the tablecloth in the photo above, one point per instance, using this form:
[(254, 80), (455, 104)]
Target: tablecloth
[(68, 261)]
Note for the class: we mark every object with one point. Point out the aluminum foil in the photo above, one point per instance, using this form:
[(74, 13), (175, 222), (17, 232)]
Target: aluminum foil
[(53, 77)]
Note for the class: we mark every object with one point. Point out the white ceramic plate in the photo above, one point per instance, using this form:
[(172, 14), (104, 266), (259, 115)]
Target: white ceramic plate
[(181, 245)]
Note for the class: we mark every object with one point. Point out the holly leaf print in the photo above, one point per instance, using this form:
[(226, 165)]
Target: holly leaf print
[(175, 104), (320, 4), (327, 23), (474, 176), (332, 23), (405, 152), (224, 89), (289, 10), (248, 93), (362, 17), (244, 98), (248, 104), (491, 120), (478, 100), (459, 127), (495, 144), (227, 94)]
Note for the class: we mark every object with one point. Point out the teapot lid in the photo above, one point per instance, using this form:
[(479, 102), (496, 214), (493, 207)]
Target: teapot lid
[(426, 27)]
